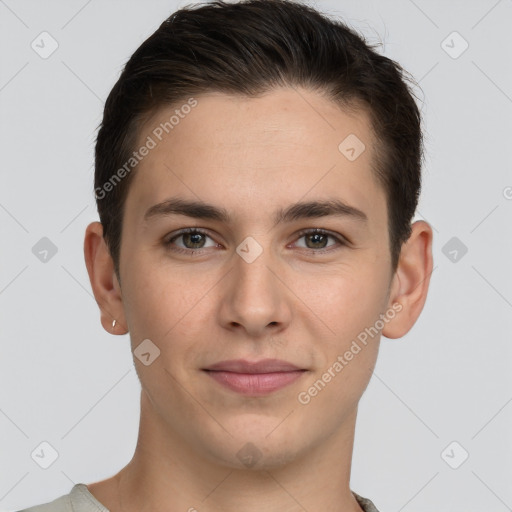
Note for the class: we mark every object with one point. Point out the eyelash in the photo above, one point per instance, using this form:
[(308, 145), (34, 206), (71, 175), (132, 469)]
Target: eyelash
[(341, 241)]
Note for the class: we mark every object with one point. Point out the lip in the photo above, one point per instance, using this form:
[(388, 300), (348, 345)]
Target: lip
[(262, 366), (254, 378)]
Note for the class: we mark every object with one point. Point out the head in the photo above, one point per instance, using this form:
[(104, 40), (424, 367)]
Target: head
[(249, 108)]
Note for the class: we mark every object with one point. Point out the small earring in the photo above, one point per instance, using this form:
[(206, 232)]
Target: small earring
[(114, 324)]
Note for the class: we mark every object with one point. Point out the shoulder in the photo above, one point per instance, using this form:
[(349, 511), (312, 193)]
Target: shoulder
[(366, 504), (78, 500), (62, 504)]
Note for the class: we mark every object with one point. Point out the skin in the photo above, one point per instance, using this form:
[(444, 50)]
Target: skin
[(252, 156)]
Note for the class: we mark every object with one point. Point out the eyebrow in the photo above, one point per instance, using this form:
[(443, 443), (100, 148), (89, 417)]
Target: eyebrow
[(296, 211)]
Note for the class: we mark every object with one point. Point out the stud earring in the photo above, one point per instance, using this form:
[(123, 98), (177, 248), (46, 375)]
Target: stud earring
[(114, 324)]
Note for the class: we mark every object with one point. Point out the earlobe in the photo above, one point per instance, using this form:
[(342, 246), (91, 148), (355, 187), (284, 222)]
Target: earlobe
[(411, 281), (105, 287)]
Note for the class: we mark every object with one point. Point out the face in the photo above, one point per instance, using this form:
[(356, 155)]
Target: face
[(256, 283)]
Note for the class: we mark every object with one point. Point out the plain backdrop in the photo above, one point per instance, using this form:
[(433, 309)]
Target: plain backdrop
[(434, 426)]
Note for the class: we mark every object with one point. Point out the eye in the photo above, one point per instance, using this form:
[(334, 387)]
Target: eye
[(316, 239), (193, 241)]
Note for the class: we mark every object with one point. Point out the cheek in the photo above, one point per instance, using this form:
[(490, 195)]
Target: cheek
[(153, 301), (346, 299), (166, 305), (351, 307)]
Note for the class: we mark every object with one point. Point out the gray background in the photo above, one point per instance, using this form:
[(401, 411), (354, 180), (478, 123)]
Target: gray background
[(65, 381)]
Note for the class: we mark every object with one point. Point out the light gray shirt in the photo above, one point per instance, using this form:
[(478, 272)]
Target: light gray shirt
[(81, 500)]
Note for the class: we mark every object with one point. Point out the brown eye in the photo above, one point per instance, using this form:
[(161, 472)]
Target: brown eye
[(317, 240), (192, 240)]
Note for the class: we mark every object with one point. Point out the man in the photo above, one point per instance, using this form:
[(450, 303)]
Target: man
[(257, 172)]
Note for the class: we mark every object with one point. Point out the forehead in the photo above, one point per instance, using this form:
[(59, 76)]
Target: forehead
[(251, 153)]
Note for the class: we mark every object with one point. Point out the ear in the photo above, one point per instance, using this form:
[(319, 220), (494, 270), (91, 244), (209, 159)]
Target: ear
[(104, 283), (411, 281)]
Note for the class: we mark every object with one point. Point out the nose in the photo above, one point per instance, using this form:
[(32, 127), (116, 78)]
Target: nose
[(254, 297)]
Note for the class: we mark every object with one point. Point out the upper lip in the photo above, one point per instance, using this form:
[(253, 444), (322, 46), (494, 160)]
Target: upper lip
[(262, 366)]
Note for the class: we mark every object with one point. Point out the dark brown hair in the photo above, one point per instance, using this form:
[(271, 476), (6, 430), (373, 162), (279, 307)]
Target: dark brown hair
[(249, 48)]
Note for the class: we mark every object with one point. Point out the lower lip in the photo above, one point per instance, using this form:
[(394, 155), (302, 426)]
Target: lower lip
[(255, 384)]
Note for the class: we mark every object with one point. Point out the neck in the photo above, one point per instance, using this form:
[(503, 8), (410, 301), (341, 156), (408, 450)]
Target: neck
[(167, 474)]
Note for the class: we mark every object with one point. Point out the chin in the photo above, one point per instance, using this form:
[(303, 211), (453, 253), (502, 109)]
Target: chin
[(255, 449)]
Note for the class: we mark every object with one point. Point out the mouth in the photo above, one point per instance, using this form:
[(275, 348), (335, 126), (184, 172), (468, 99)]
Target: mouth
[(254, 378)]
